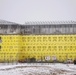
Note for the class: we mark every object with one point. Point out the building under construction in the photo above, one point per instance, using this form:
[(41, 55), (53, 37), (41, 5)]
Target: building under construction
[(42, 41)]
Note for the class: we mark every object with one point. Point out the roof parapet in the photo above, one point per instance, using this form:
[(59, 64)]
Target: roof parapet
[(49, 22)]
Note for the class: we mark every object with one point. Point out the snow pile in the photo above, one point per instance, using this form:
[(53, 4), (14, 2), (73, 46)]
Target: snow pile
[(38, 69)]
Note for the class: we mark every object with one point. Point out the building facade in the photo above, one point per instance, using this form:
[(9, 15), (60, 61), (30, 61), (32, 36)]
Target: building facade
[(47, 41)]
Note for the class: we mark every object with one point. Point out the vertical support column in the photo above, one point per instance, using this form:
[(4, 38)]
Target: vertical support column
[(8, 29)]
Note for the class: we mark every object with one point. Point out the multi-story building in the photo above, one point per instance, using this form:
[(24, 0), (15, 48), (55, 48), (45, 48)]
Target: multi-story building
[(45, 41)]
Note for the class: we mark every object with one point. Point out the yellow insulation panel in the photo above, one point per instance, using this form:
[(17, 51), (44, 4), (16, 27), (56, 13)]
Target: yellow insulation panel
[(40, 46), (9, 47), (20, 47)]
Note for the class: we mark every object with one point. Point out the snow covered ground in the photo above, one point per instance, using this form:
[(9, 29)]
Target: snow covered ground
[(37, 69)]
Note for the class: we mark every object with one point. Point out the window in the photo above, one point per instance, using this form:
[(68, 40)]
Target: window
[(10, 37), (0, 47), (11, 46), (0, 40), (54, 38)]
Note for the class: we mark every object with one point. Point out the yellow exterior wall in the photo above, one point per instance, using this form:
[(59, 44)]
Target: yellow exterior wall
[(20, 47), (39, 46), (9, 48)]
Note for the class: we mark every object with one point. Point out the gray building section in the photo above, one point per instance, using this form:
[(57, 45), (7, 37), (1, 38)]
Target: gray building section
[(7, 27), (38, 28)]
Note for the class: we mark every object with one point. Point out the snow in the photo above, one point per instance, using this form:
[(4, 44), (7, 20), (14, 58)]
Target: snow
[(4, 22), (37, 69)]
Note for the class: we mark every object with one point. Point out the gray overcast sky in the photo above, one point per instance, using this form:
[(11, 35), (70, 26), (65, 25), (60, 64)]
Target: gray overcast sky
[(21, 11)]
